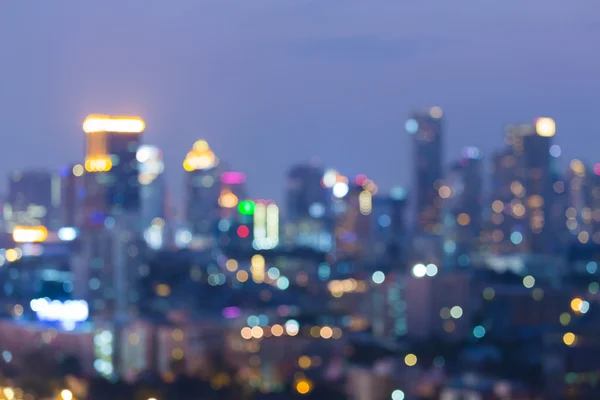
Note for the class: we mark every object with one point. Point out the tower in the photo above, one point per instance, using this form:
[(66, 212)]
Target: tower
[(203, 188), (426, 130), (111, 236), (463, 219)]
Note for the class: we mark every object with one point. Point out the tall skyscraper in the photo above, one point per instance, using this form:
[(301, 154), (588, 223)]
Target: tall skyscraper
[(265, 225), (524, 191), (152, 195), (308, 207), (33, 199), (72, 194), (389, 227), (463, 218), (354, 232), (233, 192), (305, 192), (107, 270), (426, 130), (203, 187)]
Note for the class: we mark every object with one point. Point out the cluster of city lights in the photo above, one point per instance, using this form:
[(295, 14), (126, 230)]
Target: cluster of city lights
[(290, 328), (30, 234), (422, 270), (104, 123), (338, 288), (200, 157), (10, 255)]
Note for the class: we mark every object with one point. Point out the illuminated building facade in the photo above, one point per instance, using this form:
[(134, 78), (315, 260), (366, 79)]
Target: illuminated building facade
[(152, 195), (265, 225), (106, 269), (426, 130), (308, 205), (464, 213), (233, 192), (111, 183), (524, 191), (33, 199), (72, 194), (353, 226), (203, 187)]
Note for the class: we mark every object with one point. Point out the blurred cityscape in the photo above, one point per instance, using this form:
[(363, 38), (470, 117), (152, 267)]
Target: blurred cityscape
[(477, 281)]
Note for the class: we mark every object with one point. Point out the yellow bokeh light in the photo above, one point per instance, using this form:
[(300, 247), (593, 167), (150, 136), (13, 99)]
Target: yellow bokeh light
[(228, 200), (583, 237), (78, 170), (498, 206), (277, 330), (104, 123), (12, 255), (303, 386), (201, 157), (242, 276), (576, 304), (17, 310), (577, 167), (98, 164), (177, 354), (518, 210), (463, 219), (304, 362), (246, 332), (569, 339), (326, 332), (410, 360), (163, 290), (257, 332), (231, 265), (66, 395), (9, 393), (444, 192), (545, 127), (30, 234), (436, 112)]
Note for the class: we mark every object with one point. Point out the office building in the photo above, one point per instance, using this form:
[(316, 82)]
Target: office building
[(203, 188), (308, 220), (33, 199), (463, 216), (107, 266), (152, 195), (72, 193), (523, 191), (426, 130)]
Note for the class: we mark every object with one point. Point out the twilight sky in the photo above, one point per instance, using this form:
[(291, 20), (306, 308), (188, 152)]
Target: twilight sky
[(269, 83)]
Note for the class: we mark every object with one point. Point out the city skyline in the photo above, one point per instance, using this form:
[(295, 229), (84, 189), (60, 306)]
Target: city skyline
[(244, 91)]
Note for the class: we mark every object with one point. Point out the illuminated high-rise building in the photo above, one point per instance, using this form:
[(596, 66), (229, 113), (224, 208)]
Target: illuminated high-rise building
[(388, 222), (107, 268), (308, 207), (305, 192), (464, 211), (152, 195), (72, 194), (233, 191), (33, 199), (524, 191), (426, 130), (203, 187), (353, 226), (111, 183), (265, 234)]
